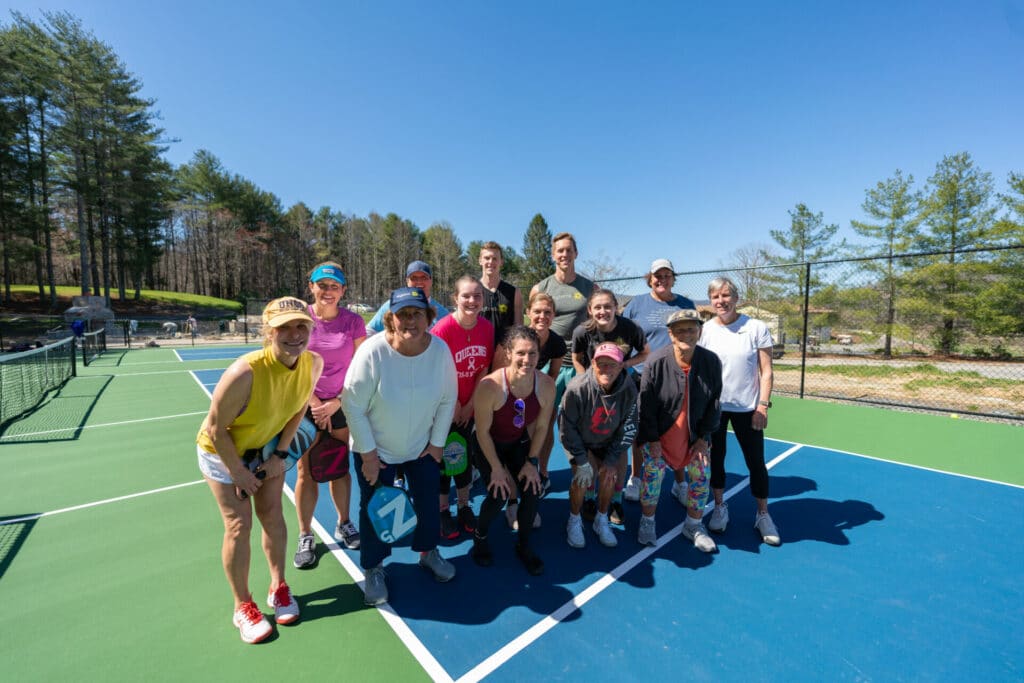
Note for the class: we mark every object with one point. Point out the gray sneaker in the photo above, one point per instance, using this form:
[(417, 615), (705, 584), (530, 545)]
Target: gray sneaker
[(719, 518), (375, 588), (305, 556), (574, 532), (347, 534), (648, 534), (766, 527), (442, 569), (699, 536), (604, 531)]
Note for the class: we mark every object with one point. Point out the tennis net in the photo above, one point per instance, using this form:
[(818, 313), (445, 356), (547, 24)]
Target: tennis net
[(26, 378), (93, 345)]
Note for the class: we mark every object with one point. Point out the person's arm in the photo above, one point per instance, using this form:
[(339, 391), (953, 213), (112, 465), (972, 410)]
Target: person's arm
[(447, 399), (555, 366), (647, 415), (707, 423), (376, 323), (361, 382), (485, 402), (766, 380), (640, 356), (229, 399), (546, 398), (580, 349), (569, 430)]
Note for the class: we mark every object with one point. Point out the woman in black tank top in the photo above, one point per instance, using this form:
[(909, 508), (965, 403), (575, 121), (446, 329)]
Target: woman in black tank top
[(513, 408)]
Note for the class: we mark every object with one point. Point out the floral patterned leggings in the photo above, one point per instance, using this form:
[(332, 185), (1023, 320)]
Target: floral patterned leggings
[(654, 472)]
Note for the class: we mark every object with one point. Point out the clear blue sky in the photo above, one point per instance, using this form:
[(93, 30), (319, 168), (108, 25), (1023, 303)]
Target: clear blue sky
[(649, 129)]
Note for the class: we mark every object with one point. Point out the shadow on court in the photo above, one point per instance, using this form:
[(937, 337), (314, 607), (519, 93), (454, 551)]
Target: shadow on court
[(332, 601), (12, 537), (67, 412)]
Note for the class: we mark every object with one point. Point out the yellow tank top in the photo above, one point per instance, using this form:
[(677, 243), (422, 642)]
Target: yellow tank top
[(278, 392)]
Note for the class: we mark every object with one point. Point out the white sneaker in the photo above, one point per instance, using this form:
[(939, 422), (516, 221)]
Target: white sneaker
[(679, 492), (647, 535), (766, 527), (604, 531), (511, 512), (286, 610), (719, 518), (632, 490), (250, 622), (699, 536), (574, 532)]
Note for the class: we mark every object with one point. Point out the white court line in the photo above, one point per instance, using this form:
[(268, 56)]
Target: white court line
[(105, 424), (489, 665), (178, 356), (906, 464), (29, 518)]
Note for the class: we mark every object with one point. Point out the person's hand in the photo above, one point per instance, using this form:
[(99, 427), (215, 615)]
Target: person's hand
[(247, 483), (371, 467), (701, 450), (274, 467), (500, 486), (530, 477), (583, 477), (323, 411), (759, 420), (433, 451)]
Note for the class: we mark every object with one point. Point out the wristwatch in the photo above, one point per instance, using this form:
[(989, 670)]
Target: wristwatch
[(766, 404), (281, 454)]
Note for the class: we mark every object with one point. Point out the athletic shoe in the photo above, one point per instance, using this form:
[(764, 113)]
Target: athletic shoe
[(375, 588), (347, 534), (632, 490), (616, 515), (511, 514), (251, 623), (481, 552), (305, 556), (534, 565), (286, 610), (699, 536), (449, 527), (467, 520), (574, 532), (589, 510), (647, 535), (719, 518), (442, 569), (764, 524), (679, 492), (604, 532)]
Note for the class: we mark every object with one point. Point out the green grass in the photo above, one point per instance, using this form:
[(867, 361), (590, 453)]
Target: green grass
[(163, 297)]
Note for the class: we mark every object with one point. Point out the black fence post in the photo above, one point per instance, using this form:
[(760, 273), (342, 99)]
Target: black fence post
[(803, 341)]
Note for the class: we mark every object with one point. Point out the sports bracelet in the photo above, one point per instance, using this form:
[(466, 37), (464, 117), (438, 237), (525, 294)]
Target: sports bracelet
[(281, 454)]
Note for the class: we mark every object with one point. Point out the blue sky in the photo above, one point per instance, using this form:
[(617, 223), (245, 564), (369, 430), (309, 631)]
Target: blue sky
[(648, 129)]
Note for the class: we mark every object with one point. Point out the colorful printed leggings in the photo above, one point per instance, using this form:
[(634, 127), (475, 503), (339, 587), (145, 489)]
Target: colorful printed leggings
[(654, 472)]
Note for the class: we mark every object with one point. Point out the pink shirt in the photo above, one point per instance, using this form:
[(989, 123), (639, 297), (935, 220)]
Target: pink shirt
[(472, 350), (335, 341)]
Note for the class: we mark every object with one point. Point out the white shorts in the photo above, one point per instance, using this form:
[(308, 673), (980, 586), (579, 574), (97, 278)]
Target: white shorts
[(211, 466)]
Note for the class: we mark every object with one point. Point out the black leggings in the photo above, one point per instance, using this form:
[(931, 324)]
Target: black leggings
[(751, 443), (513, 457)]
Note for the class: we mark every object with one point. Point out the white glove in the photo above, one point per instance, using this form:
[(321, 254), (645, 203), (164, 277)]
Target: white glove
[(584, 476)]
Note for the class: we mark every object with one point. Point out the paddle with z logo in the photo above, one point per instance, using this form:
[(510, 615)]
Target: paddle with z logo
[(391, 513)]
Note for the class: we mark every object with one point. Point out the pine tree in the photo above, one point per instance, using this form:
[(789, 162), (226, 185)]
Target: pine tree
[(537, 263)]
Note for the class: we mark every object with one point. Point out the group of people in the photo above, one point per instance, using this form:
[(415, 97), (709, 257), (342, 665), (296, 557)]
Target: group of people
[(634, 393)]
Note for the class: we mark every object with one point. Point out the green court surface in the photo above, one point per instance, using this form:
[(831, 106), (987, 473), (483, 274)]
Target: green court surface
[(132, 588)]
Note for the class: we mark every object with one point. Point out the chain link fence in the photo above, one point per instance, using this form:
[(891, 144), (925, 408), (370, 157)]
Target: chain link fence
[(940, 331)]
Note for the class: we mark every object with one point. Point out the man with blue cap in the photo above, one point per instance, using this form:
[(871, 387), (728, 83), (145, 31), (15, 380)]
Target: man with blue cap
[(417, 274)]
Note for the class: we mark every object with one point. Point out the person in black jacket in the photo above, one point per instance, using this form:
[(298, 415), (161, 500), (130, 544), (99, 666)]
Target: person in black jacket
[(679, 410)]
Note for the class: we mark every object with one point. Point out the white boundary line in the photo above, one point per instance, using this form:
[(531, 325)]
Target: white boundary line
[(178, 356), (513, 648), (29, 518), (105, 424), (905, 464)]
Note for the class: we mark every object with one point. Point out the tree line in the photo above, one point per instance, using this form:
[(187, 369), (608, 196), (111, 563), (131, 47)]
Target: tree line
[(86, 197)]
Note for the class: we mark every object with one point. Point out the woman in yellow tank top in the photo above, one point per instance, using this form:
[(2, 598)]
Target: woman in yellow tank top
[(260, 395)]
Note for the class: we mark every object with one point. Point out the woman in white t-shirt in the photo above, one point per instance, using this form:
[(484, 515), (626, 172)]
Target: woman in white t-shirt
[(744, 346)]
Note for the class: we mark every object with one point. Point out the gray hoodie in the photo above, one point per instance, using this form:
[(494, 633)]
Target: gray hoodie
[(591, 420)]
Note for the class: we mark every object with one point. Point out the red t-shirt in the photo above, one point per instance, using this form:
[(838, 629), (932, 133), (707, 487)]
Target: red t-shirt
[(472, 350)]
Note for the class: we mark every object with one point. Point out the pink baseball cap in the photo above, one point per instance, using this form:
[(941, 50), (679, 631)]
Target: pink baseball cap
[(608, 350)]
